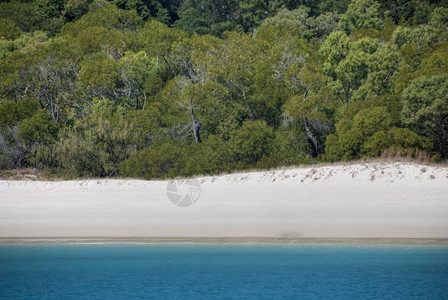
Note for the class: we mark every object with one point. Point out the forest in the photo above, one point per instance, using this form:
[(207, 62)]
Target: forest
[(158, 89)]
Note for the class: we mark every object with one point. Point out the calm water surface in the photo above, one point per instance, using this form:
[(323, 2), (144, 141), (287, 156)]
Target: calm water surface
[(222, 272)]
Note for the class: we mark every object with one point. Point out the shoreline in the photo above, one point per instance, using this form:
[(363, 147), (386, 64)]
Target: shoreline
[(228, 241), (360, 201)]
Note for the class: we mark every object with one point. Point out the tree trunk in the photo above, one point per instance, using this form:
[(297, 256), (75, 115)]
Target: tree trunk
[(196, 126), (311, 138)]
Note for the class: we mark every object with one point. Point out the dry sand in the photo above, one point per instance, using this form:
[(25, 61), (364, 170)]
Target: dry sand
[(370, 200)]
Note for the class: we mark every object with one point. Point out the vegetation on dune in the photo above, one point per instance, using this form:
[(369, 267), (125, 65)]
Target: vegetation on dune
[(158, 89)]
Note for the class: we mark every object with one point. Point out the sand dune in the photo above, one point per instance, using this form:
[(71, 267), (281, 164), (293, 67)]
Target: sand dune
[(370, 200)]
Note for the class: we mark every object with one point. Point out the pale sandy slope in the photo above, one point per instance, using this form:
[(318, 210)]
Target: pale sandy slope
[(392, 200)]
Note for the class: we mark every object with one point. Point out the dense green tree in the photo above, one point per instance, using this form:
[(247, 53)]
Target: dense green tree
[(75, 9), (140, 76), (45, 73), (234, 67), (8, 30), (382, 66), (159, 41), (206, 16), (346, 63), (25, 42), (22, 14), (425, 109), (409, 12), (12, 112), (102, 14), (95, 88), (252, 12), (252, 141), (398, 138), (213, 156), (39, 128), (161, 160), (36, 133), (12, 150), (100, 75), (362, 14), (330, 6), (352, 133), (421, 37), (300, 23), (49, 9), (165, 11), (289, 147), (96, 145), (434, 63), (147, 9)]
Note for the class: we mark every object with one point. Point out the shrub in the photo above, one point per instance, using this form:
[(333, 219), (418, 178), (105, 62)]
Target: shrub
[(96, 145), (398, 138), (160, 160), (12, 112), (289, 147), (213, 156), (333, 151), (252, 141)]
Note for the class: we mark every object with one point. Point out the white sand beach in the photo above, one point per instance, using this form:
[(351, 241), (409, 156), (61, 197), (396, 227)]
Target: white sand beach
[(366, 200)]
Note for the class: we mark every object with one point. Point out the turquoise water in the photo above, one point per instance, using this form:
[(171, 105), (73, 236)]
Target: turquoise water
[(222, 272)]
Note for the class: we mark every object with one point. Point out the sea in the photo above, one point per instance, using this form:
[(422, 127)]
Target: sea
[(212, 271)]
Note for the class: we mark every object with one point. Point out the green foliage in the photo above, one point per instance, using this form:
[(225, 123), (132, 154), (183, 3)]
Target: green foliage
[(252, 141), (435, 63), (425, 109), (372, 120), (439, 17), (25, 42), (49, 9), (206, 16), (39, 128), (140, 75), (326, 6), (12, 148), (216, 17), (289, 147), (148, 124), (362, 14), (146, 9), (399, 138), (353, 132), (408, 12), (8, 30), (23, 14), (299, 22), (205, 87), (157, 39), (421, 37), (36, 135), (161, 160), (12, 112), (253, 12), (333, 149), (75, 9), (96, 145), (104, 15), (210, 157), (99, 74)]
